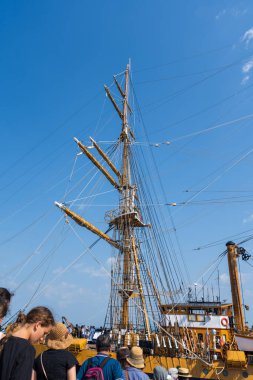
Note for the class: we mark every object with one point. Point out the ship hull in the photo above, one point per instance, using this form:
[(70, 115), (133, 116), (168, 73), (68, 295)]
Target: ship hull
[(196, 367)]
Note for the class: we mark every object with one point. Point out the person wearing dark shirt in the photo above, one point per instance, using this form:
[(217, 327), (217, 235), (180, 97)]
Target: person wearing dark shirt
[(111, 370), (56, 363), (17, 353)]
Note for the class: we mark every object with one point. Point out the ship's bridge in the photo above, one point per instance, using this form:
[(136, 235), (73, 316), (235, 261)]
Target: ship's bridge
[(198, 307), (214, 315)]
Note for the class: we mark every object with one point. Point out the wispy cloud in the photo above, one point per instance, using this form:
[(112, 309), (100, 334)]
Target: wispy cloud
[(95, 271), (220, 14), (246, 69), (248, 36), (65, 293), (248, 219), (245, 79), (245, 278), (234, 12), (90, 271), (224, 278)]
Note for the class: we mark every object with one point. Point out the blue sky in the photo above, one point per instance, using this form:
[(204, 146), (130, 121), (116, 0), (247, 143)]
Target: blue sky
[(192, 65)]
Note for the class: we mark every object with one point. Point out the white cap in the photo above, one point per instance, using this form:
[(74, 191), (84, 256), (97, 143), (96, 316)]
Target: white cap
[(173, 373)]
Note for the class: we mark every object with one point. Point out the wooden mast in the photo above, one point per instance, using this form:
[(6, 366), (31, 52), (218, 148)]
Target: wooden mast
[(127, 219), (235, 286), (125, 182), (126, 228)]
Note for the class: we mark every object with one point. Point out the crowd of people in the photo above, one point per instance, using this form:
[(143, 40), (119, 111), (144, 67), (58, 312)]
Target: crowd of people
[(82, 331), (17, 354)]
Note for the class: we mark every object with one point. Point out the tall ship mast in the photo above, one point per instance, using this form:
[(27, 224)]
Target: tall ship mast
[(151, 301), (133, 292)]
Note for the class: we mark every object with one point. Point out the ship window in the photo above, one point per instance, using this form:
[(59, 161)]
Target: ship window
[(250, 359), (192, 318), (200, 318), (198, 311), (200, 337)]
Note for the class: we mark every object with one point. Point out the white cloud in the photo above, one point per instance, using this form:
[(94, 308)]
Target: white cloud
[(91, 271), (246, 68), (96, 271), (220, 14), (248, 36), (65, 293), (234, 12), (245, 278), (248, 219), (245, 79), (224, 278)]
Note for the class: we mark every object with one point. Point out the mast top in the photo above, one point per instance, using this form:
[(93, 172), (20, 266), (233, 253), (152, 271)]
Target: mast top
[(230, 243)]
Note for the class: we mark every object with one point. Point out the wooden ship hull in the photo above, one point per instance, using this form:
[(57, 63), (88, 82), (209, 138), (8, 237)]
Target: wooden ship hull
[(236, 368)]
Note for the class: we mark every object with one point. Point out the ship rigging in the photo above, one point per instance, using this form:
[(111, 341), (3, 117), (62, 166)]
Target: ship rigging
[(150, 302)]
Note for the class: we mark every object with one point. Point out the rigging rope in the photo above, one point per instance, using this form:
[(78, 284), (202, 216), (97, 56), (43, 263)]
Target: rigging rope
[(136, 304), (218, 177)]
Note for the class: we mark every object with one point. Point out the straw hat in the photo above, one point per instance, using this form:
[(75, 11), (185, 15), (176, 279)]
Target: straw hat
[(135, 358), (184, 372), (59, 337)]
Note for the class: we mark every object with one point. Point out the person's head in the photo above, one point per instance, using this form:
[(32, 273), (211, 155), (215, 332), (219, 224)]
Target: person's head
[(39, 321), (160, 373), (173, 372), (59, 337), (103, 343), (122, 354), (5, 298), (136, 358), (183, 373)]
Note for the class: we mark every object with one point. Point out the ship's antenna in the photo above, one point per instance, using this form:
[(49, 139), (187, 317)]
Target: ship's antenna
[(219, 285), (203, 289), (212, 292)]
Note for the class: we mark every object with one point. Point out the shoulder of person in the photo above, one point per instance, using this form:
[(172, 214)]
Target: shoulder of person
[(115, 362), (20, 342), (70, 356)]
